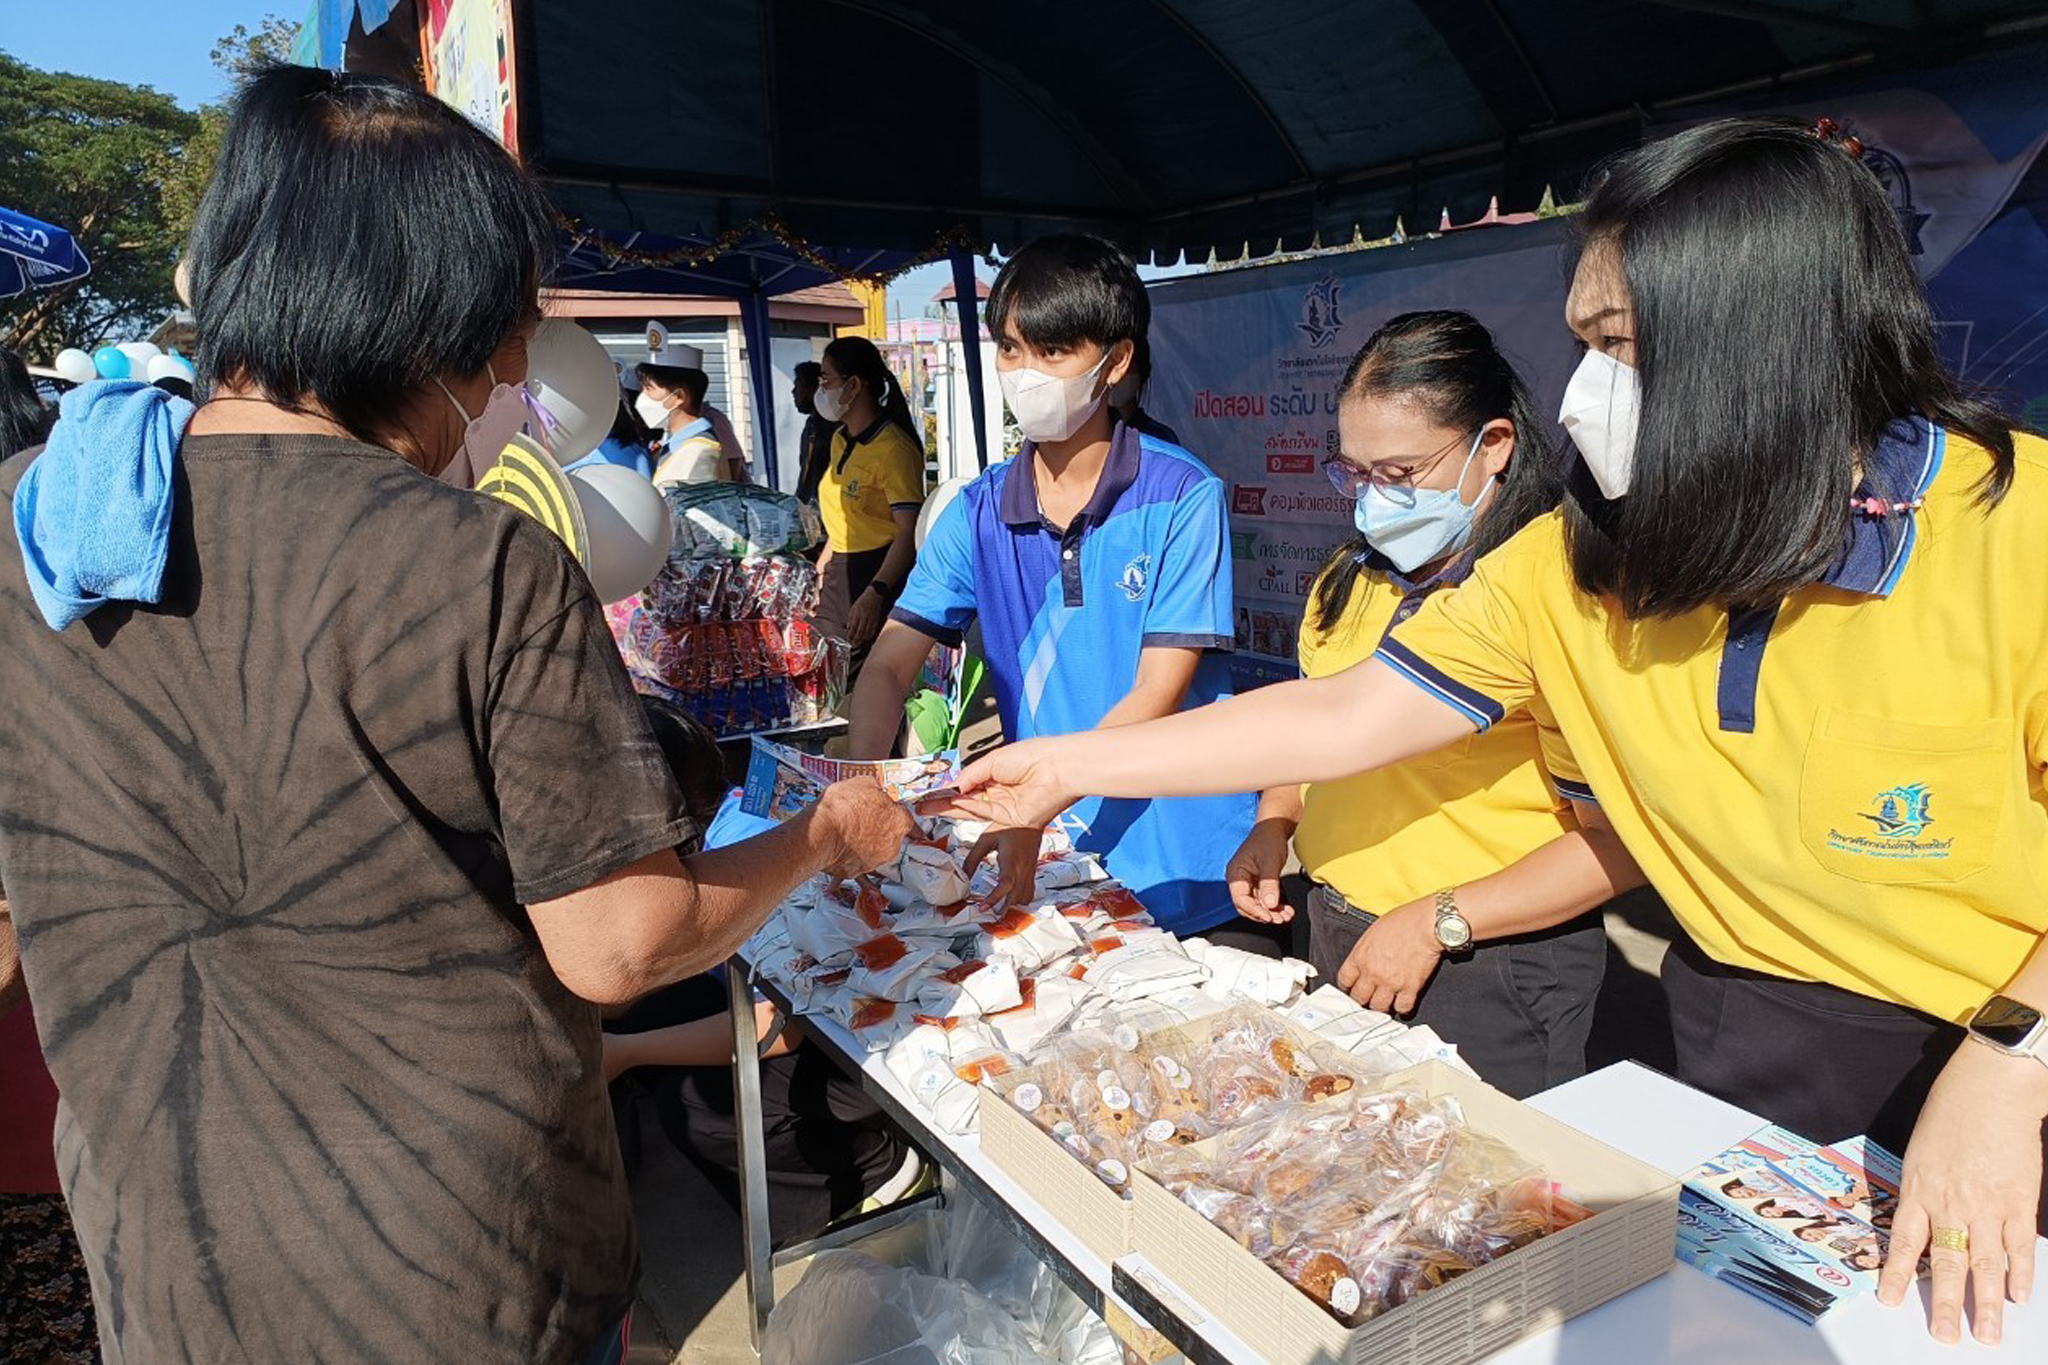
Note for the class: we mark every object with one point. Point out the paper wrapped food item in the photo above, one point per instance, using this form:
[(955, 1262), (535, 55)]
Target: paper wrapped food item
[(971, 989), (1030, 941), (889, 967), (1132, 973), (1235, 973), (930, 872)]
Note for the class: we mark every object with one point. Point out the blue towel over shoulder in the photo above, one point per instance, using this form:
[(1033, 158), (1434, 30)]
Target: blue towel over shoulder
[(93, 513)]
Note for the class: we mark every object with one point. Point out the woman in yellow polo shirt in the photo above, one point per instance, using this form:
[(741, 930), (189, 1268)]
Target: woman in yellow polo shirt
[(871, 491), (1790, 625), (1457, 887)]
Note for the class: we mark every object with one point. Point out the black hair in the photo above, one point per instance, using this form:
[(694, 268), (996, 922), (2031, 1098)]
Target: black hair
[(1141, 360), (807, 369), (692, 754), (1062, 290), (687, 380), (858, 358), (359, 240), (177, 386), (24, 418), (1446, 362), (1779, 329), (628, 429)]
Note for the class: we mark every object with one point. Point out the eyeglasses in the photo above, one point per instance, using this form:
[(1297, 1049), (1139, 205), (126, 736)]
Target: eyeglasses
[(1349, 478)]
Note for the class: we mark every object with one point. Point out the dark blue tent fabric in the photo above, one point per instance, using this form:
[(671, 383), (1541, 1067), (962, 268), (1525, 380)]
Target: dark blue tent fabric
[(1176, 126), (1173, 125)]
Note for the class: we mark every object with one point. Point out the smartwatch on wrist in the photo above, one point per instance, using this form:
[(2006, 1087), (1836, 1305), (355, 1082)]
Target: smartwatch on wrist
[(2015, 1029), (886, 591), (1453, 930)]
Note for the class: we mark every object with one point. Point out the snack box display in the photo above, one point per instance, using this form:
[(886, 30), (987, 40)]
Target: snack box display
[(1167, 1088), (1628, 1216)]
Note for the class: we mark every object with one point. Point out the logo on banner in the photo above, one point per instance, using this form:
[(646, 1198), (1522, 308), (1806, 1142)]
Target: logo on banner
[(1304, 581), (1290, 464), (1244, 545), (1320, 320), (1898, 187), (1248, 501)]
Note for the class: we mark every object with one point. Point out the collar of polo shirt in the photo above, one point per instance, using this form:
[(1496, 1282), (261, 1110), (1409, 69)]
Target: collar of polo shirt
[(1020, 510)]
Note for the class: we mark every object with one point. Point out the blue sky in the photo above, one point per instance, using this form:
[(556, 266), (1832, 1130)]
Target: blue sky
[(159, 43)]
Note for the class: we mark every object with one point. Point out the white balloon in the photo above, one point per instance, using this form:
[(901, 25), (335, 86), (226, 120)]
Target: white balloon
[(171, 367), (139, 353), (570, 374), (627, 526), (75, 365), (935, 504)]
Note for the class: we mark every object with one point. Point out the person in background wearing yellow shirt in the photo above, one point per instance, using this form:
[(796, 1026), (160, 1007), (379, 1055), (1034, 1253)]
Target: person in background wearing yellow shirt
[(1790, 624), (1457, 887), (871, 491)]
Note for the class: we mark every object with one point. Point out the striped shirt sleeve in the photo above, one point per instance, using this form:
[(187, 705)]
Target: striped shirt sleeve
[(1469, 646)]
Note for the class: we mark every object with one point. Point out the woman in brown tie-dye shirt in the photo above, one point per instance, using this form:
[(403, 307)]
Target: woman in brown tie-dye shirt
[(319, 860)]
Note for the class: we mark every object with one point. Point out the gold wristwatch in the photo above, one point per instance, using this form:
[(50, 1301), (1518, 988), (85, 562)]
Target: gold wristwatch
[(1453, 930)]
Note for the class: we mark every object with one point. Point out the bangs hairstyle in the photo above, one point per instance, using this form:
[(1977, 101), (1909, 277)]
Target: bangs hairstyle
[(359, 240), (1060, 291), (1446, 363), (687, 380), (1779, 329)]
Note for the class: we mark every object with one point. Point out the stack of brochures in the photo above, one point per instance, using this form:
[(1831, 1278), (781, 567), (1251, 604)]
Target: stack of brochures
[(1801, 1226)]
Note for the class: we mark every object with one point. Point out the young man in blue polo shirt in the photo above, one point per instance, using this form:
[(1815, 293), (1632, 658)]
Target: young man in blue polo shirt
[(1098, 564)]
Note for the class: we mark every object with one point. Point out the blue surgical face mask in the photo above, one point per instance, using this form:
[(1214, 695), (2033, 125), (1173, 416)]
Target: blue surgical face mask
[(1416, 526)]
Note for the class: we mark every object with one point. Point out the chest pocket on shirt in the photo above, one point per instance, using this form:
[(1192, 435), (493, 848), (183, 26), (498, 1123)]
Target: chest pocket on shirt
[(1896, 803)]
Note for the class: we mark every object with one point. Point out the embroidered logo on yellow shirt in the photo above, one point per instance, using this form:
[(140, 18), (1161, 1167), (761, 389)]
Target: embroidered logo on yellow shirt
[(1898, 816)]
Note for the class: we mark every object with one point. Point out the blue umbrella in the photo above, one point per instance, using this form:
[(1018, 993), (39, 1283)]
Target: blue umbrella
[(34, 254)]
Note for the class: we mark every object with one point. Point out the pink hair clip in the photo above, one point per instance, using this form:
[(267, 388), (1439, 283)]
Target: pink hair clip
[(1878, 507)]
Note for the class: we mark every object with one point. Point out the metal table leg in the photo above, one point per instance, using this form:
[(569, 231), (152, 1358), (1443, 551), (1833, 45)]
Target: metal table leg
[(754, 1232)]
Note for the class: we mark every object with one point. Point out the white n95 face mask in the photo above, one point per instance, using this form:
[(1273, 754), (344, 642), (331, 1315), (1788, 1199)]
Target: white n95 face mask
[(1048, 408), (830, 403), (652, 411), (1599, 414)]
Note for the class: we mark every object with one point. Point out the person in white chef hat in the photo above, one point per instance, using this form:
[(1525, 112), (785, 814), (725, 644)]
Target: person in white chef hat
[(696, 442)]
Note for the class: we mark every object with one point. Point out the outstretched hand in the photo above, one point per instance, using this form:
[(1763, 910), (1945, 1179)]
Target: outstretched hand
[(1018, 786)]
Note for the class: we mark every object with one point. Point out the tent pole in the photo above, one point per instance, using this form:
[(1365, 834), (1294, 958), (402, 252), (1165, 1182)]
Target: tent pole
[(968, 308), (761, 378)]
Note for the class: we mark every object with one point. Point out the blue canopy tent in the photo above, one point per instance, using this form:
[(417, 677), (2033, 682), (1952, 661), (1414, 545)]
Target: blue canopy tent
[(1177, 127), (36, 255)]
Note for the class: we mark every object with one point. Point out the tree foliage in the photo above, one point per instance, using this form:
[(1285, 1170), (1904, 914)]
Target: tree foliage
[(122, 167), (91, 156)]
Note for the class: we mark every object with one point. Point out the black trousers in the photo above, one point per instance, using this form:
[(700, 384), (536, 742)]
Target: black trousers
[(1824, 1062), (828, 1145), (1519, 1009)]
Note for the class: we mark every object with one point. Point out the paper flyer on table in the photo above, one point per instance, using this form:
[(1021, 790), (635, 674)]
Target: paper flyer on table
[(782, 781), (1801, 1226)]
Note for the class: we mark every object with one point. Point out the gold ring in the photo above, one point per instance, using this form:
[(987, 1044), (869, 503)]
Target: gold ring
[(1951, 1239)]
